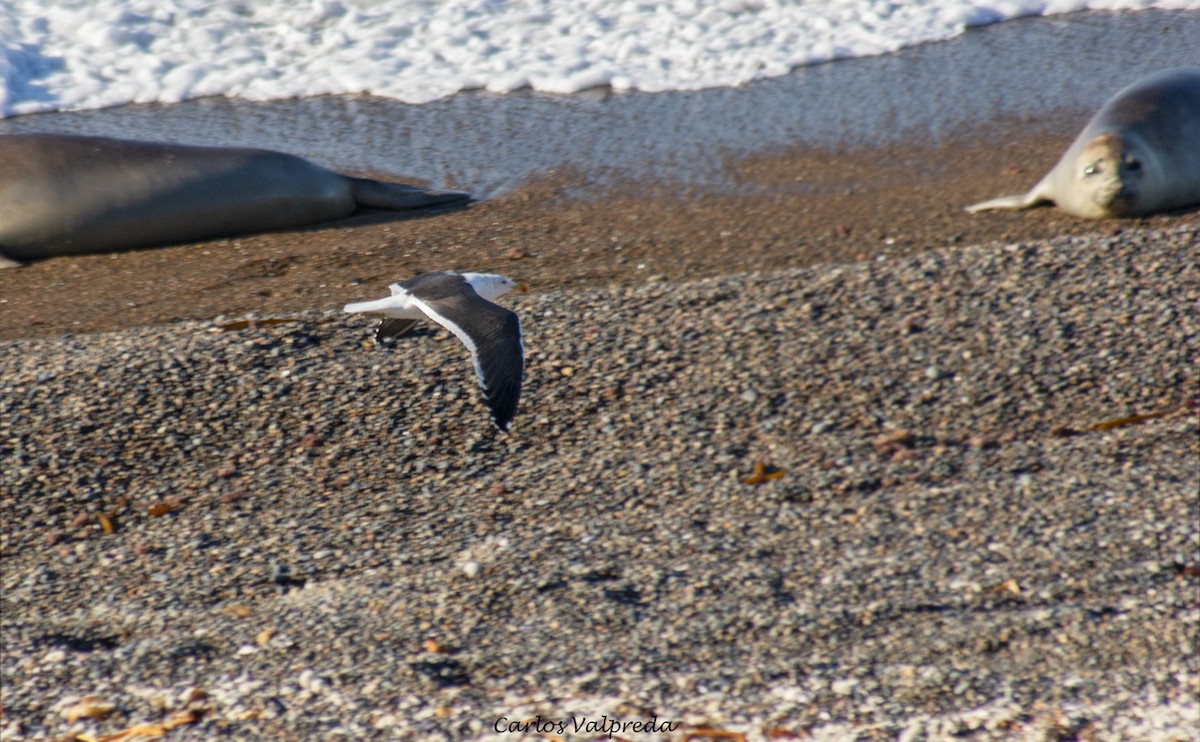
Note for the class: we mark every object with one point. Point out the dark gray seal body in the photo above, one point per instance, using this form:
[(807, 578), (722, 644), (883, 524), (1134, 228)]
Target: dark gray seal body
[(1140, 154), (69, 195)]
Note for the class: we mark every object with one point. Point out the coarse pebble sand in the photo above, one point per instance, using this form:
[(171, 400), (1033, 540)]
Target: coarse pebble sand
[(946, 491)]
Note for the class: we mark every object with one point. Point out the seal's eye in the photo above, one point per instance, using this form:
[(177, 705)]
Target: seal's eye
[(1092, 169), (1134, 166)]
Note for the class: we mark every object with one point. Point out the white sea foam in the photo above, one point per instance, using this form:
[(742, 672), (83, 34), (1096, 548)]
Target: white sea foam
[(82, 54)]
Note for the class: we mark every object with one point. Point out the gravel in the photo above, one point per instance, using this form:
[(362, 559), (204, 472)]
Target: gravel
[(921, 497)]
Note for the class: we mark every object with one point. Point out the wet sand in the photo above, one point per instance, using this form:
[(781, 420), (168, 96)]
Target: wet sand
[(796, 207)]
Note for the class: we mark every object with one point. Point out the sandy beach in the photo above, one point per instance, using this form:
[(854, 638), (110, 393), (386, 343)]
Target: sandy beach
[(811, 454), (856, 205), (946, 494)]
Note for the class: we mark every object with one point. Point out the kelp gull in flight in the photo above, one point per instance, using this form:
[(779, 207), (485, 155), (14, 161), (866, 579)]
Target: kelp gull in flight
[(460, 303)]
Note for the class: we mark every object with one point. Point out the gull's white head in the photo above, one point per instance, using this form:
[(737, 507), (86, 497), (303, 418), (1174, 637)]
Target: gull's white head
[(491, 286)]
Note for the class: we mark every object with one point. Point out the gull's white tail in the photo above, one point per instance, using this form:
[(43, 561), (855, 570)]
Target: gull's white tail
[(379, 305)]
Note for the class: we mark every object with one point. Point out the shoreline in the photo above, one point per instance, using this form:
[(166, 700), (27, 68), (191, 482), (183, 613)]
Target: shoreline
[(1035, 73), (622, 189)]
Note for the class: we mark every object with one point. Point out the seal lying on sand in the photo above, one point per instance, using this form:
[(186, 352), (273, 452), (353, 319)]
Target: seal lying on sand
[(68, 195), (1138, 155)]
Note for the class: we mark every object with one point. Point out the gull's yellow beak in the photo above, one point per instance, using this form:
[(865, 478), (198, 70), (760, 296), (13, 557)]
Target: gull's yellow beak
[(520, 287)]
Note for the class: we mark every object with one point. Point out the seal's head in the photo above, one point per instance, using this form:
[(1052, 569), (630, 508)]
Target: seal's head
[(1110, 176)]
